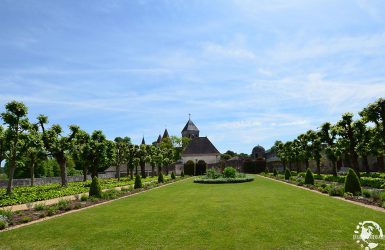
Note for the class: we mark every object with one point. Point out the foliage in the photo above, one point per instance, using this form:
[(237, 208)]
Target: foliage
[(189, 167), (309, 178), (275, 172), (63, 204), (212, 173), (40, 207), (229, 172), (182, 174), (223, 180), (200, 167), (95, 188), (111, 194), (287, 174), (138, 182), (352, 183), (160, 178), (336, 191), (173, 175)]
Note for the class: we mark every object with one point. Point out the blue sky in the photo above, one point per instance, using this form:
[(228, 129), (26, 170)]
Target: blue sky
[(249, 72)]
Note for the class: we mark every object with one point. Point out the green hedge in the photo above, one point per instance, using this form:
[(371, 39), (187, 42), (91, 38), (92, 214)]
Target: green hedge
[(223, 180)]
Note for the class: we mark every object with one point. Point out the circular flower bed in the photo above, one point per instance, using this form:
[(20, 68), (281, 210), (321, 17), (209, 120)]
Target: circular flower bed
[(229, 176)]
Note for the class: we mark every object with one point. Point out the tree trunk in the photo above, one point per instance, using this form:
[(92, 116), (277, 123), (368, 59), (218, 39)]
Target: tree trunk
[(63, 172), (11, 172), (284, 166), (32, 174), (94, 172), (136, 170), (306, 164), (290, 165), (318, 167), (152, 170), (84, 173), (380, 163), (365, 163), (334, 163), (143, 169), (298, 166), (132, 173), (117, 175)]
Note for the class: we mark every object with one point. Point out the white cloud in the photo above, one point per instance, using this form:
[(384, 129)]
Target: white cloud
[(228, 52)]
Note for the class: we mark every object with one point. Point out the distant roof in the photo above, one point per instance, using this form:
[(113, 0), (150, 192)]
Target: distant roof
[(190, 126), (200, 145), (165, 134), (143, 142), (159, 139)]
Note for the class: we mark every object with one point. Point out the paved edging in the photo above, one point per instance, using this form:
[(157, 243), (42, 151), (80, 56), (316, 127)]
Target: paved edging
[(335, 197), (81, 209)]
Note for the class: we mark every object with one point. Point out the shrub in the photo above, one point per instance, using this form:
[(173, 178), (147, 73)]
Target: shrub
[(39, 207), (200, 168), (229, 172), (212, 174), (138, 182), (3, 224), (7, 213), (287, 174), (189, 167), (111, 194), (25, 219), (63, 205), (309, 178), (52, 210), (77, 206), (160, 178), (172, 175), (366, 193), (182, 174), (372, 182), (266, 170), (336, 191), (95, 188), (83, 197), (223, 180), (376, 196), (125, 189), (352, 183), (275, 172)]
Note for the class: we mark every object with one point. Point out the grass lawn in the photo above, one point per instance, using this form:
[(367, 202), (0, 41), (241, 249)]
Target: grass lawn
[(262, 214)]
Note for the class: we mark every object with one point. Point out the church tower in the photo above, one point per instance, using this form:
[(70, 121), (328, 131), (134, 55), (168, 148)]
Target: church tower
[(190, 130)]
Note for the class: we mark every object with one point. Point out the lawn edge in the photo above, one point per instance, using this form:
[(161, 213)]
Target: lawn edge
[(376, 208), (84, 208)]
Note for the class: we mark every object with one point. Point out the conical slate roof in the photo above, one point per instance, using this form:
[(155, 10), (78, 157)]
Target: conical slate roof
[(190, 126), (159, 139), (143, 142), (165, 134)]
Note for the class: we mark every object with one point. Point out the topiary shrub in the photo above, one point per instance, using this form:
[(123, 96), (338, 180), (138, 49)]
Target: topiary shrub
[(160, 178), (309, 178), (172, 175), (229, 172), (189, 167), (95, 188), (266, 170), (182, 174), (138, 182), (200, 168), (352, 183), (287, 174), (275, 172)]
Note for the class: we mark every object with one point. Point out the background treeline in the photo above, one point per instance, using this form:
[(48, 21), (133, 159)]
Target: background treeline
[(347, 142), (36, 149)]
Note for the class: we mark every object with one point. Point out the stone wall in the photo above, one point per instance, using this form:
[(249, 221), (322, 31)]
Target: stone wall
[(48, 180)]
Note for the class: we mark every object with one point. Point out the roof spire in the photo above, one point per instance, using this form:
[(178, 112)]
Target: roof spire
[(143, 142), (189, 116)]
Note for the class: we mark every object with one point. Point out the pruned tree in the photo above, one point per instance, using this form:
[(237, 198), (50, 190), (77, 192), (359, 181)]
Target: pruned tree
[(15, 117), (121, 148)]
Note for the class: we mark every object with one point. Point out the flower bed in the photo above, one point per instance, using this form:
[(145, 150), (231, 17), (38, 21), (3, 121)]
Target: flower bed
[(39, 211), (22, 195), (229, 175)]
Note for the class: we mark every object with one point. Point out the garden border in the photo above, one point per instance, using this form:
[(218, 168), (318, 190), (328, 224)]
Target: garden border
[(81, 209), (335, 197)]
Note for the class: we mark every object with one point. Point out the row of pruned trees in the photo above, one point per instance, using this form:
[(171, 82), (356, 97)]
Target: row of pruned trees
[(348, 140), (24, 142)]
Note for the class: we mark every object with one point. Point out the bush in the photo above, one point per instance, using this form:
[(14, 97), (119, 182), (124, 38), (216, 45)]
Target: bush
[(182, 174), (309, 178), (52, 210), (287, 174), (26, 219), (275, 172), (63, 205), (372, 182), (376, 196), (160, 178), (352, 183), (172, 175), (212, 174), (3, 224), (84, 197), (336, 191), (39, 207), (229, 172), (266, 170), (111, 194), (366, 193), (200, 168), (7, 213), (189, 167), (95, 188), (138, 182)]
